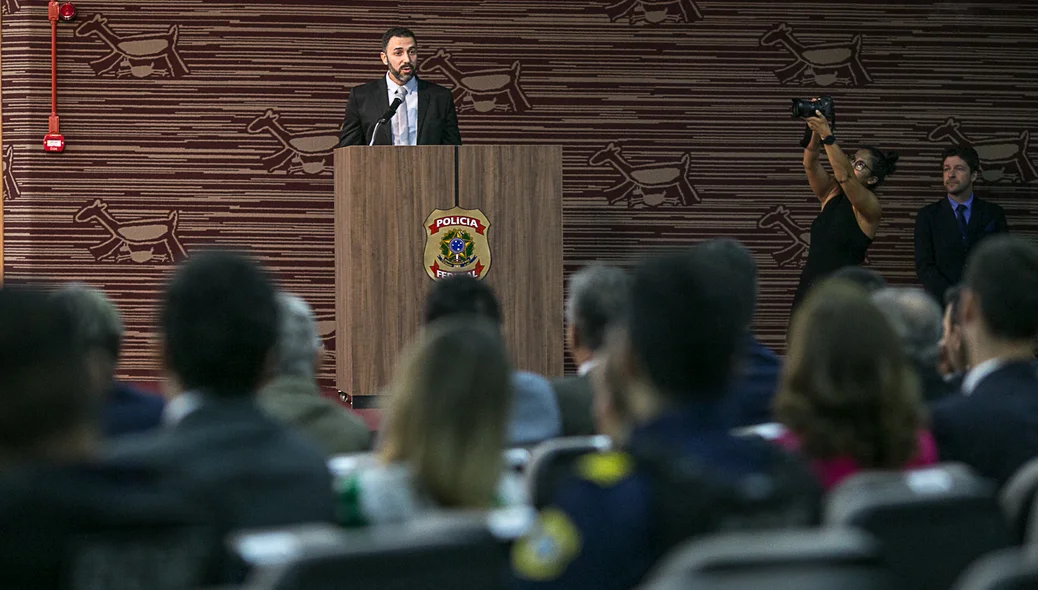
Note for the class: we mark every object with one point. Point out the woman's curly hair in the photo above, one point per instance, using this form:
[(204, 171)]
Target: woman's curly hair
[(847, 388)]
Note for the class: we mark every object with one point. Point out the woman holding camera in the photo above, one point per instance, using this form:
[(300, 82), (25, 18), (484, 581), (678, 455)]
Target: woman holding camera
[(843, 231)]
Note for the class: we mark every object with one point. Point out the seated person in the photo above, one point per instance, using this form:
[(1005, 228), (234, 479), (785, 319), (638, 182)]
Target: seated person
[(678, 473), (98, 325), (534, 415), (446, 426), (68, 519), (219, 329), (849, 396)]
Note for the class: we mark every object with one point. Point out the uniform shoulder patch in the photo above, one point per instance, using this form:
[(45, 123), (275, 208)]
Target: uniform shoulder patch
[(605, 469), (545, 553)]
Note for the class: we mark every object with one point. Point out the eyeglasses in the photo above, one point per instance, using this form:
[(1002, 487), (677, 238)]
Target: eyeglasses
[(860, 165)]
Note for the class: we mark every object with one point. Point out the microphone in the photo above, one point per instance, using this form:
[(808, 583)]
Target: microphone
[(392, 109), (386, 116)]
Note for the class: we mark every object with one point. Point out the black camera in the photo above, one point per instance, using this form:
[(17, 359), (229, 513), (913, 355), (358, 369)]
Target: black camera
[(806, 107)]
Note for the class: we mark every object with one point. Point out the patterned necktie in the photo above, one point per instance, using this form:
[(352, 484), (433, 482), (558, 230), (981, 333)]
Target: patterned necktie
[(960, 215), (401, 126)]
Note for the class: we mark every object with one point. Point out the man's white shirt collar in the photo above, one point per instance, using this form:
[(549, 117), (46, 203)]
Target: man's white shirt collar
[(179, 407), (978, 373), (587, 366), (412, 85)]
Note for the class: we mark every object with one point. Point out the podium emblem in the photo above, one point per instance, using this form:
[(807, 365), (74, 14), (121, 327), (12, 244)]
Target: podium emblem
[(457, 243)]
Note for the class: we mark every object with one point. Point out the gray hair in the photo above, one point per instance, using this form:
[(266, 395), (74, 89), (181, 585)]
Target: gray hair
[(916, 318), (298, 341), (599, 296), (97, 321)]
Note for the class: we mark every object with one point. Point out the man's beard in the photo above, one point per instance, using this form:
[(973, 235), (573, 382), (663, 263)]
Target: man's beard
[(961, 189), (404, 77)]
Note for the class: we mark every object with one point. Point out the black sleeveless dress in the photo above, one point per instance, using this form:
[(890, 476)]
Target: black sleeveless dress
[(836, 241)]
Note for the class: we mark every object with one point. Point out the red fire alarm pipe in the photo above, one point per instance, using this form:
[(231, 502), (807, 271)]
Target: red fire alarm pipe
[(54, 141)]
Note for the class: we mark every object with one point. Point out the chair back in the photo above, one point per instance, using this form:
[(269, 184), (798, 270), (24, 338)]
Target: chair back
[(445, 550), (1017, 498), (1008, 569), (792, 559), (932, 523), (553, 460)]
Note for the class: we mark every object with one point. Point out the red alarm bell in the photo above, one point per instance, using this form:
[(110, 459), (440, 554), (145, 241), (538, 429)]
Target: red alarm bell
[(67, 11)]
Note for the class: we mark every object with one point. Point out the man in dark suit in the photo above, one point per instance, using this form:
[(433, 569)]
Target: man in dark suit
[(425, 117), (598, 298), (220, 322), (66, 517), (993, 425), (947, 231)]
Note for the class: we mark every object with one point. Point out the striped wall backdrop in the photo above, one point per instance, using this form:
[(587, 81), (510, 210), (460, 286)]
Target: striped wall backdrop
[(198, 123)]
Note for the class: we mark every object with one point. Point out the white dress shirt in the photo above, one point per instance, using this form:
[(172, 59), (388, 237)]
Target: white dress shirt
[(587, 366), (179, 407), (978, 373), (410, 101)]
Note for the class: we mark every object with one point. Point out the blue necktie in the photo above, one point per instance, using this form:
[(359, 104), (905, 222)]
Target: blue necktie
[(960, 214)]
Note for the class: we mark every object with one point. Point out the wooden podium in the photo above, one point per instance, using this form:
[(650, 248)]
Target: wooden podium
[(384, 196)]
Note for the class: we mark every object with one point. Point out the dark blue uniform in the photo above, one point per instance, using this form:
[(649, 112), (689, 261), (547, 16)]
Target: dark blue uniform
[(599, 532)]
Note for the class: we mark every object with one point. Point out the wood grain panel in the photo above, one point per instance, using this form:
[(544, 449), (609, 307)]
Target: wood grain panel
[(519, 189), (383, 195)]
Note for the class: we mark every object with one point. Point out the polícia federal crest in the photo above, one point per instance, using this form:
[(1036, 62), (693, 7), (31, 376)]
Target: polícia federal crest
[(457, 243)]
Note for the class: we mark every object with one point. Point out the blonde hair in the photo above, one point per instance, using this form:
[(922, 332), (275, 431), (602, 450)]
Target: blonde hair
[(448, 409), (847, 387)]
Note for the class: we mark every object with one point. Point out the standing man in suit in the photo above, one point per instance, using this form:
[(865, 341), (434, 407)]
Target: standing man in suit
[(598, 298), (993, 426), (425, 117), (948, 230)]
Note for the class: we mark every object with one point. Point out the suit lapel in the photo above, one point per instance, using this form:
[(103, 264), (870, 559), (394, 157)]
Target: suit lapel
[(977, 217), (946, 216), (423, 106), (381, 105)]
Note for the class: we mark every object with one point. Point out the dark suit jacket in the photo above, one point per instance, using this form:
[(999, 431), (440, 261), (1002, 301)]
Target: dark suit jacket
[(574, 396), (437, 119), (256, 471), (52, 513), (129, 410), (934, 386), (939, 252), (754, 386), (994, 430)]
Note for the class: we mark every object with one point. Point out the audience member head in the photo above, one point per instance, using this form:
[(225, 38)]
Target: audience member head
[(999, 302), (98, 327), (739, 260), (847, 388), (298, 349), (954, 358), (459, 296), (448, 408), (684, 328), (916, 318), (48, 402), (866, 278), (219, 324), (598, 296)]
